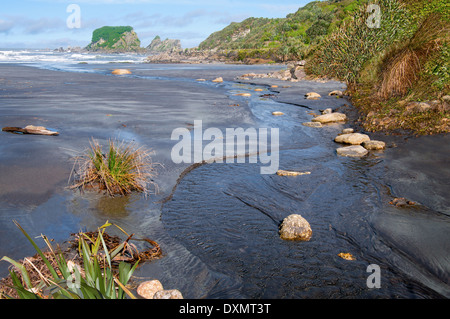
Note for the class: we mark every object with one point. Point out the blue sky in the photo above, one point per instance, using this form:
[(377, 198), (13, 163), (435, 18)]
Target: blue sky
[(42, 23)]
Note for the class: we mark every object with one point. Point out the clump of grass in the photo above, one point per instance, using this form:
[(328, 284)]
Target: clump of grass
[(402, 66), (123, 169)]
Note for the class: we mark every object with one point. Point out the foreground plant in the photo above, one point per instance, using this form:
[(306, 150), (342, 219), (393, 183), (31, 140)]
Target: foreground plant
[(122, 170), (67, 280)]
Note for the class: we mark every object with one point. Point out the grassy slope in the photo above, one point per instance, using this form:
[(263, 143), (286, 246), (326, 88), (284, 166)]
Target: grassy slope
[(285, 38), (405, 60)]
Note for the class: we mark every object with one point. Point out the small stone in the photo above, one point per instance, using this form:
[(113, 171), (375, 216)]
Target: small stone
[(352, 138), (243, 94), (330, 118), (274, 86), (201, 80), (218, 80), (374, 145), (148, 289), (327, 111), (336, 92), (346, 256), (168, 294), (291, 173), (312, 96), (258, 90), (418, 107), (352, 151), (277, 113), (348, 131), (313, 124), (295, 227), (121, 72)]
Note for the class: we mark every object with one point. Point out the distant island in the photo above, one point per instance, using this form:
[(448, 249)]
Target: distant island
[(123, 39)]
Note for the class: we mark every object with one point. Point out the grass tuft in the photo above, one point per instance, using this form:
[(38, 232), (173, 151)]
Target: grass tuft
[(123, 169)]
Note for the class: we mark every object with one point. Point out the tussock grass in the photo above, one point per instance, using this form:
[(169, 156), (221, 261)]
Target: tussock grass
[(123, 169), (402, 66)]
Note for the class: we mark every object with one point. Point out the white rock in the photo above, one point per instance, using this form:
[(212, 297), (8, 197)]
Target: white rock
[(218, 80), (295, 227), (352, 138), (330, 118), (352, 151), (277, 113), (327, 111), (312, 96)]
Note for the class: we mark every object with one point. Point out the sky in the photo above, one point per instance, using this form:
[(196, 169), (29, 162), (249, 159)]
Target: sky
[(35, 24)]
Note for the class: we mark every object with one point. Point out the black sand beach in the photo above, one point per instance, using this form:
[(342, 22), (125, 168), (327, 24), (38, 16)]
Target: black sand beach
[(219, 230)]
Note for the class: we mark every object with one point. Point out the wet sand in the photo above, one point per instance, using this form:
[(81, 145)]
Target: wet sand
[(221, 223)]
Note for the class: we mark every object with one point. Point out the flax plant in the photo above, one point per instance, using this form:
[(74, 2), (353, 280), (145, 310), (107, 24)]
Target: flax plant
[(66, 280)]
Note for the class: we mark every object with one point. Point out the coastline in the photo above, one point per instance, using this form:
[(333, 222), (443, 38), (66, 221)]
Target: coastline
[(84, 105)]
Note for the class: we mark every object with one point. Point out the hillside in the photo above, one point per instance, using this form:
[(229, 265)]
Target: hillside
[(284, 38), (398, 74), (115, 40)]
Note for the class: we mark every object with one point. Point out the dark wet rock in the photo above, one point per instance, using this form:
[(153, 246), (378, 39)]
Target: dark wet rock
[(295, 227)]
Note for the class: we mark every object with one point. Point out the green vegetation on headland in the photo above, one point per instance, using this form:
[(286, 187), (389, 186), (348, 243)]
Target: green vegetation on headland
[(115, 39)]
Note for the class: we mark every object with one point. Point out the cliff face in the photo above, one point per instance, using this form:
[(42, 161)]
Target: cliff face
[(168, 45), (115, 40)]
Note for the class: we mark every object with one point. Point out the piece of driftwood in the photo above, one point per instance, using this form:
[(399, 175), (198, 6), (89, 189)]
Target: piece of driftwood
[(30, 129)]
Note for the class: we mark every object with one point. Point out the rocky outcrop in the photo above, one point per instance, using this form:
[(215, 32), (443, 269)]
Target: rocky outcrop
[(168, 46), (115, 40)]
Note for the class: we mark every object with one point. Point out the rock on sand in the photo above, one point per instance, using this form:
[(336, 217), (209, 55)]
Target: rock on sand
[(352, 151), (295, 227), (121, 72), (312, 96), (374, 145), (330, 118), (352, 138)]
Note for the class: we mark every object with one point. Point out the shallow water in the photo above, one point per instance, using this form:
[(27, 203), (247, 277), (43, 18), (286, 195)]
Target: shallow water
[(219, 228)]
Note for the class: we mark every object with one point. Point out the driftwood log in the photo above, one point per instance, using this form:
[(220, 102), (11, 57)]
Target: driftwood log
[(30, 129)]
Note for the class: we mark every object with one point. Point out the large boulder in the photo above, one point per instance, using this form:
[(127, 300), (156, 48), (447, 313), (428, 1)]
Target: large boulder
[(295, 227), (352, 138), (330, 118)]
